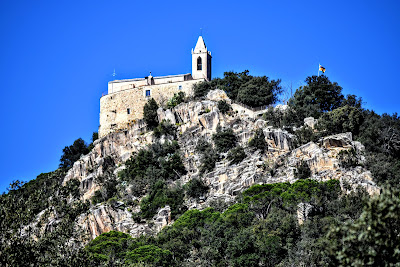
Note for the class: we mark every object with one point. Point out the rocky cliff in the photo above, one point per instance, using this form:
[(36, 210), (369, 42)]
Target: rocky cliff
[(198, 120)]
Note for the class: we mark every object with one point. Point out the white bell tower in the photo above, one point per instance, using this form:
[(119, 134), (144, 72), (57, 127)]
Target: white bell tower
[(201, 61)]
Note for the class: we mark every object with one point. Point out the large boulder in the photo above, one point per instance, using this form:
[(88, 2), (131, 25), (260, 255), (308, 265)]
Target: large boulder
[(342, 140), (310, 122), (217, 95)]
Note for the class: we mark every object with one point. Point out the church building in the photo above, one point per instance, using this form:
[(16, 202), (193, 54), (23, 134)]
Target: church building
[(124, 102)]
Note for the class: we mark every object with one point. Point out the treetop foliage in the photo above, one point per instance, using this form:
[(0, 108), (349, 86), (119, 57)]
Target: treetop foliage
[(318, 96), (261, 229), (250, 90), (72, 153)]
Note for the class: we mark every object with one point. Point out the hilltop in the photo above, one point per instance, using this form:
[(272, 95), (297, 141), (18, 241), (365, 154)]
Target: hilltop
[(214, 179)]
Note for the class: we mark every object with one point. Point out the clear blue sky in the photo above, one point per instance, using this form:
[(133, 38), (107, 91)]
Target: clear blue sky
[(56, 58)]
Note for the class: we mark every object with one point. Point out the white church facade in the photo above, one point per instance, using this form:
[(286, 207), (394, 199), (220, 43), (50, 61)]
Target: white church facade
[(124, 102)]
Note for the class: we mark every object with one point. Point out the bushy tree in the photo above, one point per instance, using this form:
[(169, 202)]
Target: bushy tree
[(342, 119), (109, 246), (236, 155), (73, 153), (305, 134), (159, 196), (224, 107), (196, 188), (318, 96), (373, 239), (352, 101), (208, 160), (224, 139), (284, 119), (165, 128), (302, 171), (258, 141), (201, 89), (259, 91), (150, 113), (150, 254)]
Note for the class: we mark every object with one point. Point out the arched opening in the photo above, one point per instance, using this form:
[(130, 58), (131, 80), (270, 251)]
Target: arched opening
[(199, 65)]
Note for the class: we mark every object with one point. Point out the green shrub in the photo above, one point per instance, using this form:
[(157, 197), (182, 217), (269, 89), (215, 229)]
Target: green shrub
[(196, 188), (202, 145), (372, 239), (71, 187), (97, 197), (208, 160), (236, 155), (224, 107), (259, 91), (108, 190), (348, 158), (209, 156), (224, 139), (165, 128), (258, 141), (95, 136), (148, 165), (176, 100), (304, 135), (201, 89), (250, 90), (302, 171), (150, 113), (159, 196)]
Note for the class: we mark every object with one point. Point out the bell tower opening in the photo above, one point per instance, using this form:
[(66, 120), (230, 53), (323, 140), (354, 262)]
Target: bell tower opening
[(199, 66)]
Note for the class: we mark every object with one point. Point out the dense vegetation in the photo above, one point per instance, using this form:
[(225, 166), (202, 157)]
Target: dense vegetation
[(261, 228), (250, 90)]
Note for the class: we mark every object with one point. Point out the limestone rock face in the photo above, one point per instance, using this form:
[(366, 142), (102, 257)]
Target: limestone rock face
[(163, 218), (166, 115), (198, 120), (338, 141), (217, 95), (303, 211), (108, 152), (104, 218)]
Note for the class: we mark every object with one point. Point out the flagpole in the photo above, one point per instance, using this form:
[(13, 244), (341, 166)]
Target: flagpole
[(318, 68)]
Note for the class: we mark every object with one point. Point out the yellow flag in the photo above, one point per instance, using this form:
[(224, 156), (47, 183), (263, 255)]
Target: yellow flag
[(322, 69)]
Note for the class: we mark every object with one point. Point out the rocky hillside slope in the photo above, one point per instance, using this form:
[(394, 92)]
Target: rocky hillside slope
[(197, 121)]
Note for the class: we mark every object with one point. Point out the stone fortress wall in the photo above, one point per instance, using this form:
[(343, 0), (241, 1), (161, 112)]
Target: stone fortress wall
[(123, 107)]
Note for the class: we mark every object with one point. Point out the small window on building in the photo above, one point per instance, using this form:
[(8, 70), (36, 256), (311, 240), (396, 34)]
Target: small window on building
[(147, 93), (199, 65), (180, 87), (128, 111)]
